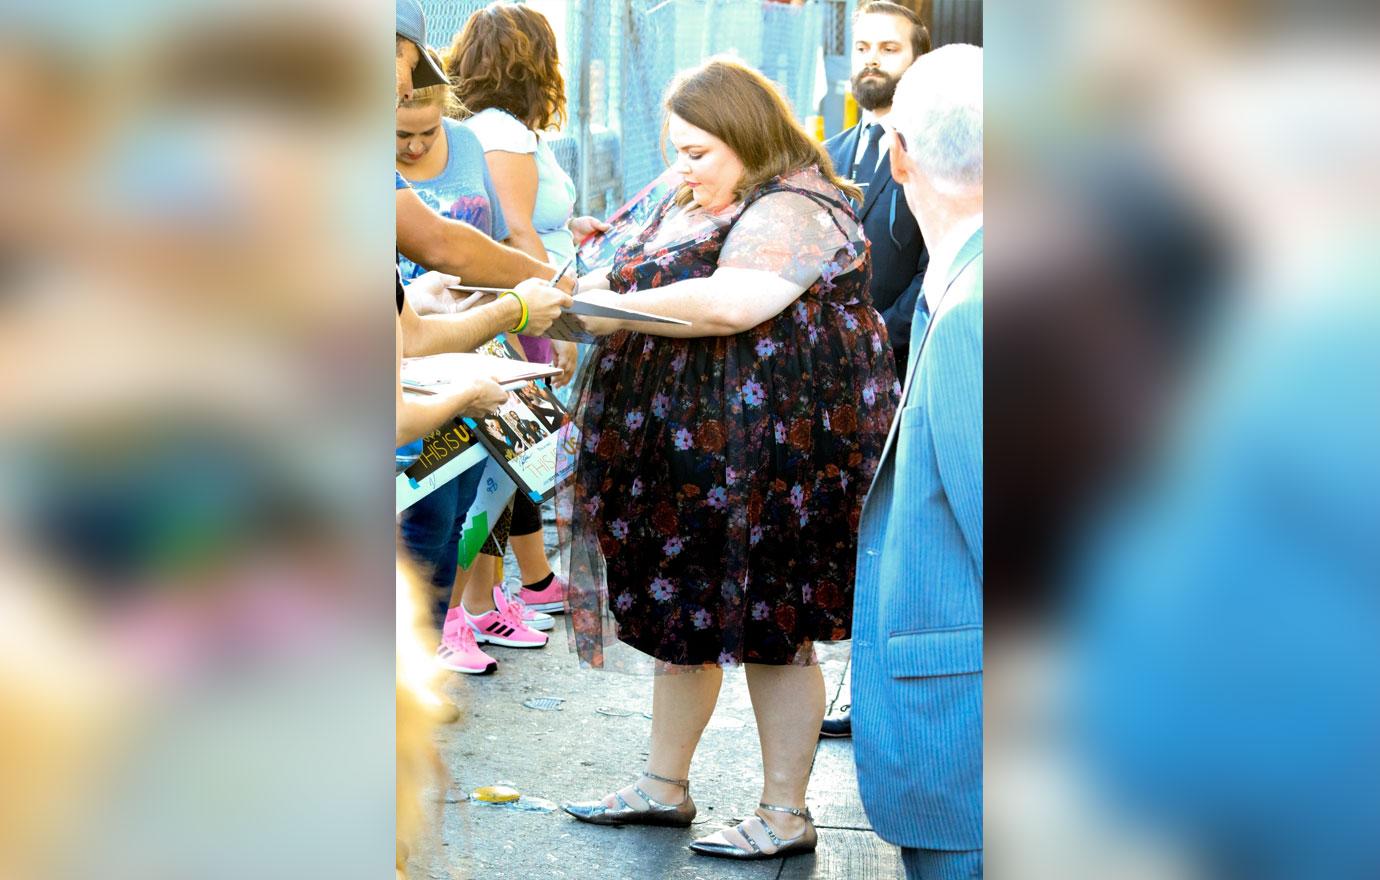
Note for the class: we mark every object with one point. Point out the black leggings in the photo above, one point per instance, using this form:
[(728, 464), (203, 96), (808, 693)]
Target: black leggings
[(526, 516), (523, 517)]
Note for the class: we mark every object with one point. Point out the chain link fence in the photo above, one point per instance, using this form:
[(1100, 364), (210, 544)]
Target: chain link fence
[(619, 56)]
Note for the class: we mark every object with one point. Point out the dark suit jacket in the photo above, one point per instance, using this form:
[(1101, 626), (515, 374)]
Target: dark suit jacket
[(899, 256)]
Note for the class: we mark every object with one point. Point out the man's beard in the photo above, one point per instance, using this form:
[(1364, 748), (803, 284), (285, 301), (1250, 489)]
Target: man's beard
[(873, 91)]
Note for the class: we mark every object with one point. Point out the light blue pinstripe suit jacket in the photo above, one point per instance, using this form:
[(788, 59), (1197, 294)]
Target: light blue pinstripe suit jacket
[(917, 627)]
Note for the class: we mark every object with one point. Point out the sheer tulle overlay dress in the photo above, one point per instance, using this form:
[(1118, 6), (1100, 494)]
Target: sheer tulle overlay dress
[(713, 514)]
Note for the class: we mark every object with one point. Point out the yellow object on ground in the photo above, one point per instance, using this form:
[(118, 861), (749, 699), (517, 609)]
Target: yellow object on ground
[(496, 794)]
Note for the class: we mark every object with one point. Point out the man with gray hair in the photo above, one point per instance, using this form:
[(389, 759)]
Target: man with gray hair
[(917, 624)]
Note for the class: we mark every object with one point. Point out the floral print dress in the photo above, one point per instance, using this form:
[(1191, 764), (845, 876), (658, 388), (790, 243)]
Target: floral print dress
[(714, 510)]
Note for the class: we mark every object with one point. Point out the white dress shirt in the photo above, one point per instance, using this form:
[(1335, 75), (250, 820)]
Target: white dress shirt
[(942, 255)]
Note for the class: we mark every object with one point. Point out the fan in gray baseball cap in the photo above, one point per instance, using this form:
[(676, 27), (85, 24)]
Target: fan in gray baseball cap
[(416, 69)]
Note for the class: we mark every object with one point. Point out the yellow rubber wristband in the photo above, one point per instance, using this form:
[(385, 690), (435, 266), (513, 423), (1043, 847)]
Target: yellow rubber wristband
[(522, 322)]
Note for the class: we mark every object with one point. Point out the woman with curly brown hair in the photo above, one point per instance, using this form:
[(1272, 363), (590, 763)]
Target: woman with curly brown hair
[(506, 72)]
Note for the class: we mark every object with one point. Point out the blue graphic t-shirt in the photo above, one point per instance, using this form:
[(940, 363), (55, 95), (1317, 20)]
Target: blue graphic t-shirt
[(462, 191)]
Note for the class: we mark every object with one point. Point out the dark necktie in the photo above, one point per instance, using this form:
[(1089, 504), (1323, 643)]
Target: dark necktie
[(867, 166)]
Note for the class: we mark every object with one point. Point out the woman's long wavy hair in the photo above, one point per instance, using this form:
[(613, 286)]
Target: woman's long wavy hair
[(505, 57), (745, 110)]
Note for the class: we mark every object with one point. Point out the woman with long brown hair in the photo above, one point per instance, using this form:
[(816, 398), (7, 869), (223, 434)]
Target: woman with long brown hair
[(712, 520)]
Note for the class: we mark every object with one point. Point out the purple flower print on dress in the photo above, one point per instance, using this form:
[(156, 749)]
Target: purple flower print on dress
[(804, 517), (619, 529), (634, 419), (755, 536), (717, 498), (850, 322), (807, 592), (702, 619), (596, 403), (636, 488), (896, 388), (797, 496), (753, 393), (876, 342), (760, 611), (647, 346), (606, 362), (780, 432), (624, 602), (678, 362), (828, 274), (802, 314), (591, 441), (683, 439), (826, 419), (814, 334), (661, 404), (726, 659), (869, 393), (662, 589), (730, 476), (843, 479), (765, 348), (592, 505), (673, 547)]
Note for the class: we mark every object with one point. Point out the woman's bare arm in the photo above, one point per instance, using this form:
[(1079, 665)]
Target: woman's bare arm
[(726, 303)]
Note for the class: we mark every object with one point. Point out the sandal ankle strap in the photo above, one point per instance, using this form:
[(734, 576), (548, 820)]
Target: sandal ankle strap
[(794, 811), (683, 783)]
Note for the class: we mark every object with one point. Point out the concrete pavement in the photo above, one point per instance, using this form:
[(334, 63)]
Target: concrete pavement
[(577, 752)]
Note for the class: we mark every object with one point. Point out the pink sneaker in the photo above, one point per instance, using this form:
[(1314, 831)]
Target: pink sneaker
[(550, 600), (503, 626), (458, 651), (534, 619)]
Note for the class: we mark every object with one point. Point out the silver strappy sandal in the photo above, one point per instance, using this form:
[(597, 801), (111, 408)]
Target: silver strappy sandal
[(720, 845), (655, 813)]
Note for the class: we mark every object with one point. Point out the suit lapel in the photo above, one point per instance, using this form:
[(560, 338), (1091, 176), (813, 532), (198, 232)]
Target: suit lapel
[(847, 149), (843, 154), (970, 251), (880, 181)]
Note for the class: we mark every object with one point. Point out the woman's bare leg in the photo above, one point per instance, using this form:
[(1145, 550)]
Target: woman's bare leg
[(475, 586), (530, 551), (789, 704), (682, 703)]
